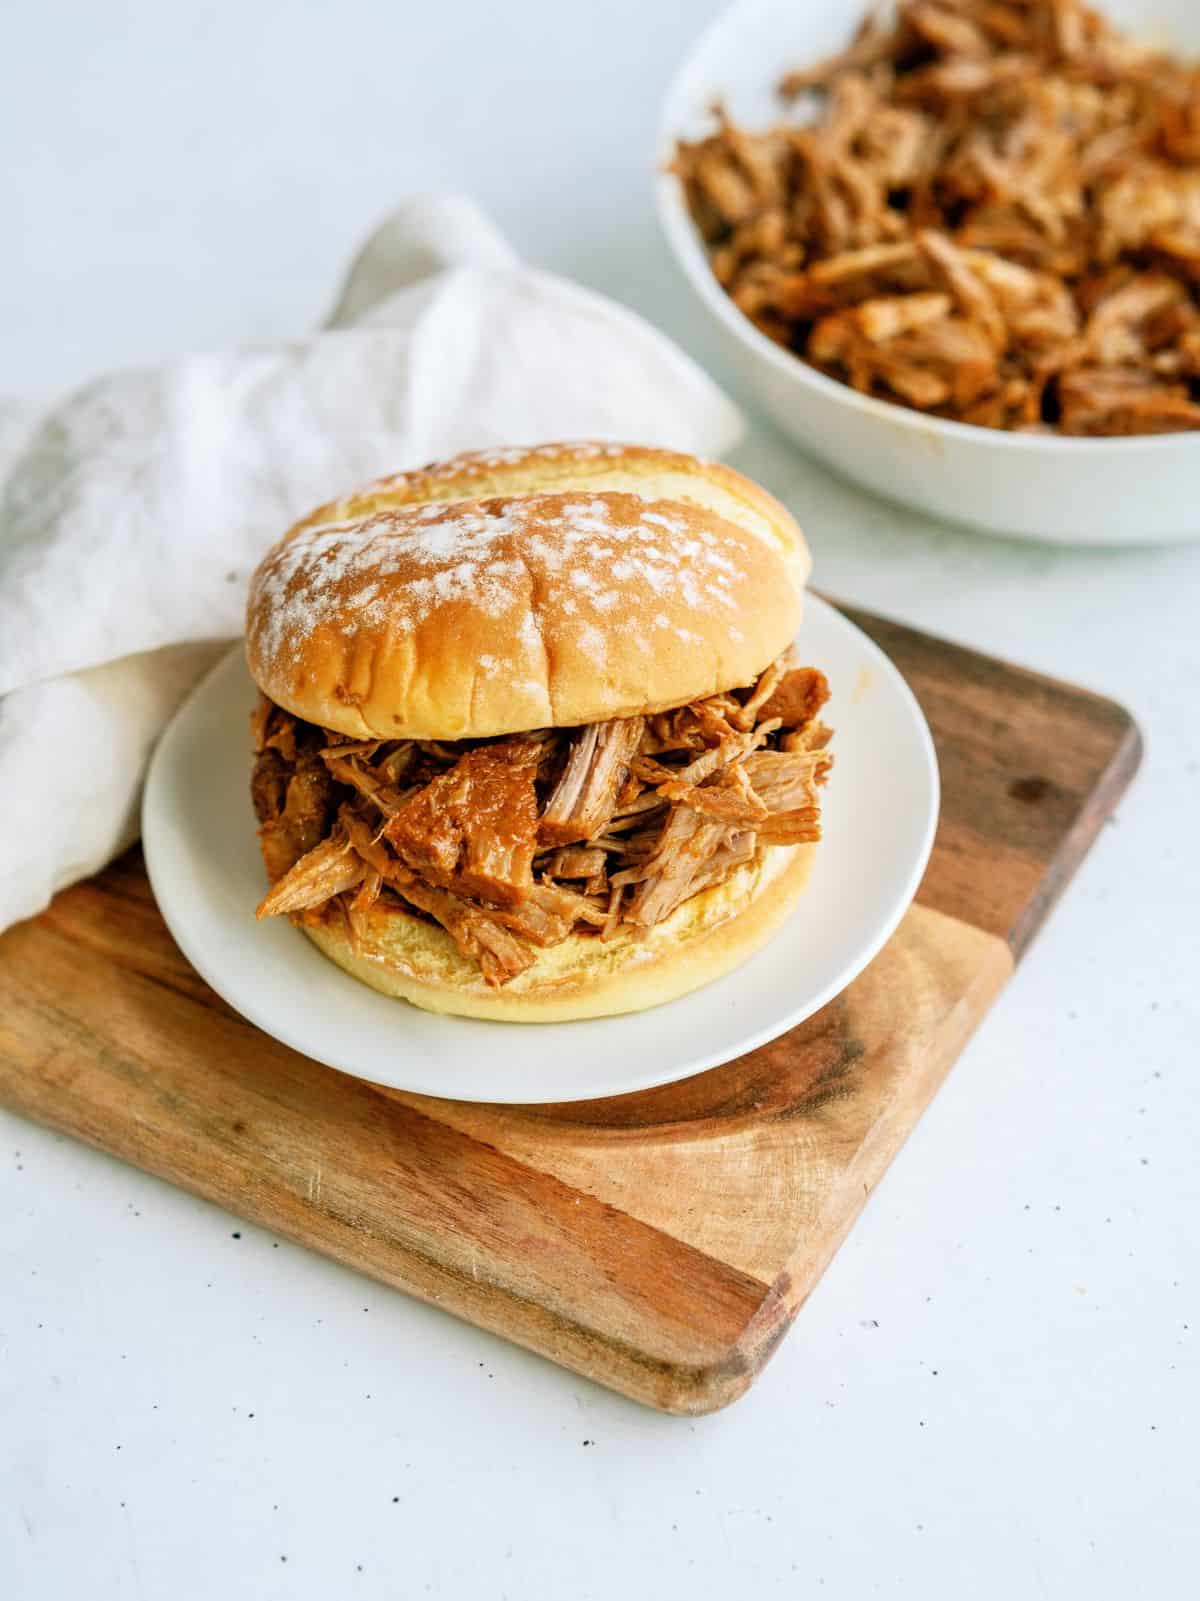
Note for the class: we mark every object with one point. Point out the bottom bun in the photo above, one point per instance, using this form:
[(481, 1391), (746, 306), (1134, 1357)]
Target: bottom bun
[(583, 976)]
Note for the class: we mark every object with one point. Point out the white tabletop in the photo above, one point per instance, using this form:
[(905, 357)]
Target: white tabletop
[(993, 1392)]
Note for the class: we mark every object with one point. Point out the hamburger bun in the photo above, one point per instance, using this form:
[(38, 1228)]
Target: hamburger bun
[(511, 591)]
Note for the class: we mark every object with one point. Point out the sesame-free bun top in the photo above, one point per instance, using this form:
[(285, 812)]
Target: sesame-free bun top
[(583, 464), (512, 590)]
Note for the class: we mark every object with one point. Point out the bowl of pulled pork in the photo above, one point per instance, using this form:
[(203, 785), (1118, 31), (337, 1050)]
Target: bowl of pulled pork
[(952, 248)]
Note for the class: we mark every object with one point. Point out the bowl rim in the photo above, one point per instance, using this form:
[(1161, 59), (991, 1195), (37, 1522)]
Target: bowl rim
[(686, 246)]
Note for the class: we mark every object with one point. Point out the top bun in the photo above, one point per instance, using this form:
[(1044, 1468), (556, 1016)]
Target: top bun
[(517, 589)]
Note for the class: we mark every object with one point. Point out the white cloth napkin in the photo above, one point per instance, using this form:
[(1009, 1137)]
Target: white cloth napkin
[(133, 512)]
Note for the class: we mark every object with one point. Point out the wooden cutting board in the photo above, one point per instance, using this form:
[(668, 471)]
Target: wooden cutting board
[(660, 1243)]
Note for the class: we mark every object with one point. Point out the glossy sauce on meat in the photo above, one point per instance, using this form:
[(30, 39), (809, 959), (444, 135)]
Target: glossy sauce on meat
[(521, 842)]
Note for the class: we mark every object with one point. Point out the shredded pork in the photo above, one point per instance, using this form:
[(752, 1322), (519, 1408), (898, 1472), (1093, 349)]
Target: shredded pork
[(984, 209), (518, 843)]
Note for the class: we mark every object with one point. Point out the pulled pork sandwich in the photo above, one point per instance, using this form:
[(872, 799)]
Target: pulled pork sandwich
[(533, 743)]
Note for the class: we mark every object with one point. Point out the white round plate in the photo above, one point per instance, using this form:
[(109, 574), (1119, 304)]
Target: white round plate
[(880, 809)]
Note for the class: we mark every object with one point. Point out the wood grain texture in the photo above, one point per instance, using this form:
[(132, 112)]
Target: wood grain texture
[(1031, 768), (660, 1243)]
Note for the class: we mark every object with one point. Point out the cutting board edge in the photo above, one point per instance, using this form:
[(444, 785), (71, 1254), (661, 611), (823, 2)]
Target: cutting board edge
[(1102, 802)]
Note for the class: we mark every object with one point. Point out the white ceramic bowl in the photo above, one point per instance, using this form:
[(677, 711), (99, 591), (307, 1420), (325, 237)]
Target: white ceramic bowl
[(1086, 491)]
